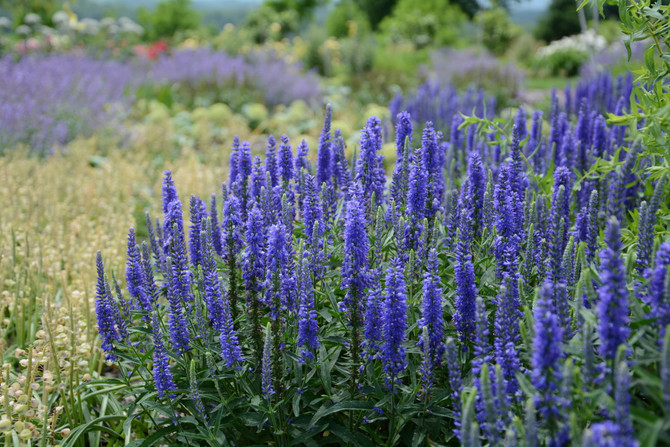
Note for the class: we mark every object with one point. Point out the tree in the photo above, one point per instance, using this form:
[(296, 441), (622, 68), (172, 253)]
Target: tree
[(560, 20), (169, 17), (304, 8), (423, 23)]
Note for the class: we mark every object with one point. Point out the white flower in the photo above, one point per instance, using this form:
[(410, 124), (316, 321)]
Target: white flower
[(90, 26), (23, 30), (60, 17), (129, 26), (588, 42), (5, 22), (32, 19)]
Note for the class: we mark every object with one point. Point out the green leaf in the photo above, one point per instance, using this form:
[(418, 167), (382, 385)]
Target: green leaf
[(350, 405), (352, 438), (155, 436), (299, 440), (91, 427)]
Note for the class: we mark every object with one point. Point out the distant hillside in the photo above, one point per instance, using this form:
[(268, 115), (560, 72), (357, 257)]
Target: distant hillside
[(214, 13), (527, 18)]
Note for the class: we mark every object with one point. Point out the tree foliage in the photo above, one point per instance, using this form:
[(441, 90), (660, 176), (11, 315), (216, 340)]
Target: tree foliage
[(168, 18)]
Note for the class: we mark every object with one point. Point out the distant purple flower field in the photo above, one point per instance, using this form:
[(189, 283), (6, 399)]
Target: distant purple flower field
[(48, 100)]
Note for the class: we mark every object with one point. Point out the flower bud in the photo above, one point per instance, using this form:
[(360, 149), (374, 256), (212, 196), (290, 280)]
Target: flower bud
[(5, 426), (25, 434)]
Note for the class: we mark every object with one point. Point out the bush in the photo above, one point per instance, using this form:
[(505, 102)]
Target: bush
[(565, 62), (566, 56), (322, 306), (347, 20), (498, 33), (465, 68), (267, 24), (560, 20), (168, 17), (433, 22)]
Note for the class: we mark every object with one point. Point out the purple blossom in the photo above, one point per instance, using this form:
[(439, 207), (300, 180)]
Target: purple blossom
[(546, 372), (622, 415), (606, 434), (341, 170), (508, 316), (301, 159), (257, 180), (307, 323), (612, 294), (231, 228), (218, 308), (148, 284), (373, 320), (646, 228), (162, 374), (177, 251), (659, 294), (466, 291), (253, 257), (234, 161), (508, 224), (179, 332), (395, 324), (370, 166), (266, 365), (217, 241), (134, 275), (169, 191), (355, 265), (105, 312), (198, 213), (455, 380), (276, 273), (417, 193), (433, 161), (194, 393), (476, 187), (271, 167), (432, 320), (312, 212), (520, 123), (285, 162), (401, 173), (324, 156)]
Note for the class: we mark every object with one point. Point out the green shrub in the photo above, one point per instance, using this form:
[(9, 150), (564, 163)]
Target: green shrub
[(347, 19), (168, 18), (432, 22), (498, 32), (267, 24), (564, 62)]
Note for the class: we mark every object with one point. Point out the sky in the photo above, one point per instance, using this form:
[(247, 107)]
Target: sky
[(530, 4)]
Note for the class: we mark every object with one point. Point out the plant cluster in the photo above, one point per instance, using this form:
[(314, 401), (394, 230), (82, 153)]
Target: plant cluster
[(50, 99), (205, 76), (646, 21), (566, 55), (493, 290), (47, 100), (468, 67), (66, 31)]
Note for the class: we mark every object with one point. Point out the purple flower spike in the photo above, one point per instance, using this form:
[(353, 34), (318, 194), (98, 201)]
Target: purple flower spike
[(612, 294), (324, 157), (395, 324)]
